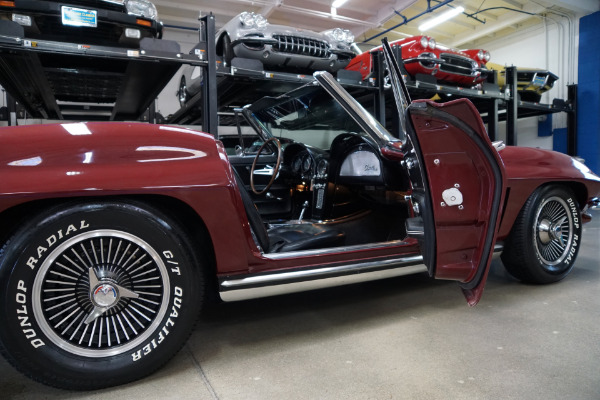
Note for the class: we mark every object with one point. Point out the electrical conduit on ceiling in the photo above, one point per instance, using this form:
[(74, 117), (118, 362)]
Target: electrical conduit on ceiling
[(407, 20)]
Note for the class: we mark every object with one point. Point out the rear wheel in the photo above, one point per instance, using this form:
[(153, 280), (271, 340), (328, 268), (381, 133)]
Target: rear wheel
[(182, 93), (97, 294), (227, 49), (545, 238)]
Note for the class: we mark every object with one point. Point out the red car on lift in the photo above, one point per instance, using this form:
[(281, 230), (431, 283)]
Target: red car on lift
[(422, 55), (480, 56), (112, 235)]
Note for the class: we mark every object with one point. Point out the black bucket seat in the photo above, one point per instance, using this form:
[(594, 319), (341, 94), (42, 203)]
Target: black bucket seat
[(293, 237)]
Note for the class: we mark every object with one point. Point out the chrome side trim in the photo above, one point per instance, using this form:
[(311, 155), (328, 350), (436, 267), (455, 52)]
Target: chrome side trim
[(282, 277), (284, 282), (343, 249), (498, 248), (294, 287)]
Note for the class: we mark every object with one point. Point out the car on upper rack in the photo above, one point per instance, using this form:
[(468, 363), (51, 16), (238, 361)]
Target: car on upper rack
[(277, 47), (422, 55), (92, 22), (531, 82), (113, 235)]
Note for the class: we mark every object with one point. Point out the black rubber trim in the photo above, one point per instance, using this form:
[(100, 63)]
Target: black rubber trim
[(422, 195)]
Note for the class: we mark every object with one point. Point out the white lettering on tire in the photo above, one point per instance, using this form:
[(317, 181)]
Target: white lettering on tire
[(164, 331), (52, 240), (23, 316)]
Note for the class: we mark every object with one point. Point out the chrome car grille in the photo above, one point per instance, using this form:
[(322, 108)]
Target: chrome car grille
[(301, 45), (457, 64)]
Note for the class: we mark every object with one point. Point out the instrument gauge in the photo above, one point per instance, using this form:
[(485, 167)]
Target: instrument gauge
[(296, 164), (306, 163), (322, 168)]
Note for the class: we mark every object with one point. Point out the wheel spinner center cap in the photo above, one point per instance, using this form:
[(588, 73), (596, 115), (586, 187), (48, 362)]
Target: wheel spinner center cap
[(105, 295), (556, 231)]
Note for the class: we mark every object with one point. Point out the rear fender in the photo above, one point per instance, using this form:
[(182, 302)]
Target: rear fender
[(527, 169)]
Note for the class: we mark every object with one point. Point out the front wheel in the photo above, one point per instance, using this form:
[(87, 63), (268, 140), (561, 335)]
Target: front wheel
[(97, 294), (545, 238)]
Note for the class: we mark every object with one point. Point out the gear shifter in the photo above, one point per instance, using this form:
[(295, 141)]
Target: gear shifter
[(304, 207)]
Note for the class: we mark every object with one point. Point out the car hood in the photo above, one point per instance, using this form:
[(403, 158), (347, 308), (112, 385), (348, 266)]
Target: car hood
[(236, 31)]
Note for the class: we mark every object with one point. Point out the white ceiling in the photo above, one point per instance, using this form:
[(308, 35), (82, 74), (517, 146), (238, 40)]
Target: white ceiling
[(368, 18)]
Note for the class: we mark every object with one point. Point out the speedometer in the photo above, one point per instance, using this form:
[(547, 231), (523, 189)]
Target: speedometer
[(296, 164)]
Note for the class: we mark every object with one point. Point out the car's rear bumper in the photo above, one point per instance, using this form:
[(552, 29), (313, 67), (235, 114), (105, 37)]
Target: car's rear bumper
[(535, 81)]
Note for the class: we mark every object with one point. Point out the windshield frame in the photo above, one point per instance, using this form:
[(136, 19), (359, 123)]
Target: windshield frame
[(351, 106)]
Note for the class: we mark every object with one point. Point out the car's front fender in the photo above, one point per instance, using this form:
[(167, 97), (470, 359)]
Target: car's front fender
[(68, 160)]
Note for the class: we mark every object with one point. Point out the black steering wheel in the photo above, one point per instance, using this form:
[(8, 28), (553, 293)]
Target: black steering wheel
[(275, 170)]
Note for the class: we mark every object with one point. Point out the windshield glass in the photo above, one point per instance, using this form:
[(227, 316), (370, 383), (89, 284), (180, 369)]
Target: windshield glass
[(307, 115)]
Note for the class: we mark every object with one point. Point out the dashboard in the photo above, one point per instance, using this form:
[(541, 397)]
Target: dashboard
[(315, 173), (307, 165), (309, 170)]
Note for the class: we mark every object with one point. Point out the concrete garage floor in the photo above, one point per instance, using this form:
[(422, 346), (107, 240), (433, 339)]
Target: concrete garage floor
[(402, 338)]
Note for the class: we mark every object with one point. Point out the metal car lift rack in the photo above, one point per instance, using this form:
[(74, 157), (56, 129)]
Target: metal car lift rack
[(40, 75), (492, 104), (66, 81)]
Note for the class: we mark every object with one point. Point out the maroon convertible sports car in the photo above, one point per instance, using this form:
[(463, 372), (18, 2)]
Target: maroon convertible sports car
[(113, 234)]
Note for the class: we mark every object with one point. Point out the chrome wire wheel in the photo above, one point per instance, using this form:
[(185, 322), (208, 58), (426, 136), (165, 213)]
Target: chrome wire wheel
[(101, 293), (545, 238), (553, 231), (98, 292)]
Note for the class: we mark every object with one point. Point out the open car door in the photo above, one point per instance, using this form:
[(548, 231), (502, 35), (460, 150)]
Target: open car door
[(458, 185)]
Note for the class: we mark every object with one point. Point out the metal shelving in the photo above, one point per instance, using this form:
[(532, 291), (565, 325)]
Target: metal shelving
[(56, 80)]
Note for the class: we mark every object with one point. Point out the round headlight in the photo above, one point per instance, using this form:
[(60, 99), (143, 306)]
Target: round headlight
[(260, 21), (247, 19), (142, 8), (480, 54), (424, 42), (486, 56), (349, 36), (432, 43), (338, 34)]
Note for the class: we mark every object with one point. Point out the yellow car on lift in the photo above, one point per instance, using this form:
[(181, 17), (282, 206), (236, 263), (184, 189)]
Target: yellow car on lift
[(531, 82)]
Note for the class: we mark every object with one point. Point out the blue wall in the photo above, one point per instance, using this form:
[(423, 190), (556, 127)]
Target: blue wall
[(559, 140), (588, 91)]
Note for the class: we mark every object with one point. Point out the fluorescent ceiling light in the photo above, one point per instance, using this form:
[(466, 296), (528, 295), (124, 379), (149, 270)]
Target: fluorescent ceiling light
[(338, 3), (77, 128), (441, 18)]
